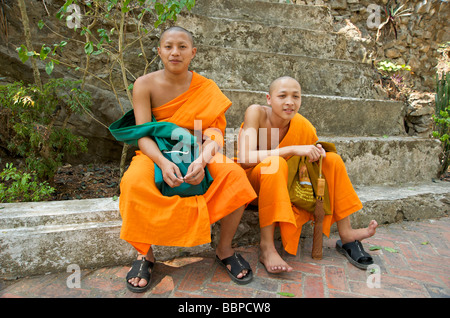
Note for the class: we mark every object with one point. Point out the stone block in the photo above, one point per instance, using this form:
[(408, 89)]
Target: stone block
[(331, 115)]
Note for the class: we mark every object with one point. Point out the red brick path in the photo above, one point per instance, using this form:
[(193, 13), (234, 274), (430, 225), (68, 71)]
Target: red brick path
[(414, 261)]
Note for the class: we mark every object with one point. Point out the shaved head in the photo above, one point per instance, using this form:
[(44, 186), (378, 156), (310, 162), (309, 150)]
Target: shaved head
[(278, 80), (177, 29)]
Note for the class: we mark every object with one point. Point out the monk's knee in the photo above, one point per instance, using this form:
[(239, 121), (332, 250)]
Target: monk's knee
[(236, 172), (333, 159), (274, 166), (139, 174)]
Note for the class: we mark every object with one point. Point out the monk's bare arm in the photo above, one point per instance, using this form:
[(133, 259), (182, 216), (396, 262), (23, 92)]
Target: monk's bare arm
[(250, 155), (143, 114)]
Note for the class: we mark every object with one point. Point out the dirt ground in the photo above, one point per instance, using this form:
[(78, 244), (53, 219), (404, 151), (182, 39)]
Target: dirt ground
[(79, 181), (75, 182), (86, 181), (97, 181)]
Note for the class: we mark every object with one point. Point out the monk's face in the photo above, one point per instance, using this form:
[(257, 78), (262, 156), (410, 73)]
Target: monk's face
[(285, 97), (176, 51)]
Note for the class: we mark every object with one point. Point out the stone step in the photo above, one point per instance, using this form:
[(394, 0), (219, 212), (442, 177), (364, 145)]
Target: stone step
[(254, 70), (55, 213), (282, 14), (38, 247), (248, 35), (387, 161), (331, 115)]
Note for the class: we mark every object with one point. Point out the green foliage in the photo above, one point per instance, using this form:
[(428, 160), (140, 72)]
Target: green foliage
[(393, 12), (395, 78), (169, 10), (111, 29), (18, 186), (389, 68), (31, 132), (102, 40), (442, 116)]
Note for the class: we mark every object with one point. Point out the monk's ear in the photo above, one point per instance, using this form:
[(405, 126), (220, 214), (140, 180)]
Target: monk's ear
[(268, 99), (194, 51)]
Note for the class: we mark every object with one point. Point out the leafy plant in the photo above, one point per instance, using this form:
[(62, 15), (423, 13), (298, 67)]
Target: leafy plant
[(107, 29), (389, 68), (31, 133), (394, 77), (442, 117), (21, 186), (393, 13)]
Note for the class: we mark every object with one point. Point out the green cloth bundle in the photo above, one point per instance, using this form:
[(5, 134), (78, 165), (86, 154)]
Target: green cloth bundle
[(176, 144)]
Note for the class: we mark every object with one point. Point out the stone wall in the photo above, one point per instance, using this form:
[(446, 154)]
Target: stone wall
[(416, 44), (106, 109), (418, 35)]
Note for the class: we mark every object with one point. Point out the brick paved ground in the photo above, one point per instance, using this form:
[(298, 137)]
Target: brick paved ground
[(414, 262)]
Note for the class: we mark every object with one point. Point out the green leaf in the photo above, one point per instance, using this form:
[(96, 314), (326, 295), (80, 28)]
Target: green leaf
[(49, 67), (425, 243), (89, 48), (45, 50), (286, 294), (22, 51), (98, 52), (115, 198), (41, 24), (159, 8), (392, 250), (375, 248)]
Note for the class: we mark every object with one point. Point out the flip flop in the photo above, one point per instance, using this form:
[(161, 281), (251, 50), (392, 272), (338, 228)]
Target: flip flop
[(355, 253), (140, 268), (237, 264)]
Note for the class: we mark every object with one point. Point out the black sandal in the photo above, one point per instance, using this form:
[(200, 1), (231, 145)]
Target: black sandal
[(237, 264), (355, 253), (140, 269)]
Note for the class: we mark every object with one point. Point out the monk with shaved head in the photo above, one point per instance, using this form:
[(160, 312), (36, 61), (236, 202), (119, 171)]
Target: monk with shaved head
[(180, 96), (269, 136)]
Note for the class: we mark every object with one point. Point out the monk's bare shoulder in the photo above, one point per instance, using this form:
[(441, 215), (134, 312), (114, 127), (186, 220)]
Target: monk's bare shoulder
[(256, 115), (149, 81)]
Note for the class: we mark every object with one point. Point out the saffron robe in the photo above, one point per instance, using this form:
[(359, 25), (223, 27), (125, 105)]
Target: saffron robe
[(269, 179), (148, 217)]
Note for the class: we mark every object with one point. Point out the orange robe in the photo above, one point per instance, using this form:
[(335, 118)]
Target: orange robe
[(273, 197), (148, 217)]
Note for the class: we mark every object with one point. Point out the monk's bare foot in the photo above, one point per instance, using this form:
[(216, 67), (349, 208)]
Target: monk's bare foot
[(360, 234), (372, 228), (273, 262), (223, 253), (140, 282)]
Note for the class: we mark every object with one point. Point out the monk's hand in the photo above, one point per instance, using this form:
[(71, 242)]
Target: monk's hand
[(195, 173), (311, 151), (171, 174), (323, 153)]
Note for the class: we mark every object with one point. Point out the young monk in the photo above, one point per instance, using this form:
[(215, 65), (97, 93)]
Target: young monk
[(180, 96), (271, 135)]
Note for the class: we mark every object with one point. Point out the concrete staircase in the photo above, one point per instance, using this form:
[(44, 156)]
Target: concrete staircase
[(243, 45)]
